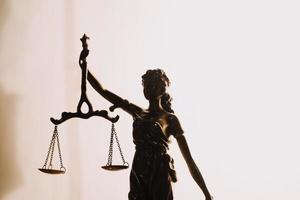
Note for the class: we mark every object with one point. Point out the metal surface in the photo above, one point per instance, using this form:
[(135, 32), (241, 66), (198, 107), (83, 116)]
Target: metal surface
[(115, 167), (109, 165), (52, 171), (48, 169), (83, 98)]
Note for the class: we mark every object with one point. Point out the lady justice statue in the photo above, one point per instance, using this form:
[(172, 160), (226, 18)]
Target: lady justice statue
[(152, 169)]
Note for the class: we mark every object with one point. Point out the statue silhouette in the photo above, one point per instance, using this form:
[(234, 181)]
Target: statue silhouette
[(152, 168)]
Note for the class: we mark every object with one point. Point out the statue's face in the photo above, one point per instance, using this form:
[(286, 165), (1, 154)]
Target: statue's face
[(153, 90)]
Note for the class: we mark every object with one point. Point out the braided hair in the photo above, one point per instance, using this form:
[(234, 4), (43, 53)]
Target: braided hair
[(159, 77)]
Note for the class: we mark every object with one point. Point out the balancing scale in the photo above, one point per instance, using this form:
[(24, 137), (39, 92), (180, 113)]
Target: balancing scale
[(47, 167)]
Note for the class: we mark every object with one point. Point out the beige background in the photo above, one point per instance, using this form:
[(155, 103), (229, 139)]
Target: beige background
[(234, 67)]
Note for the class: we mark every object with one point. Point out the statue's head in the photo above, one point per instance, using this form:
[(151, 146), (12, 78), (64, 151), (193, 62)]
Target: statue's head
[(155, 82)]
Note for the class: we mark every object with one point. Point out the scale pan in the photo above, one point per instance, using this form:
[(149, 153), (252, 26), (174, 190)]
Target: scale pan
[(52, 171), (115, 167)]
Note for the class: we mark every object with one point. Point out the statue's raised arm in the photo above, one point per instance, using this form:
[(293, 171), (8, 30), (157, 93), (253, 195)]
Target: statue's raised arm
[(117, 101)]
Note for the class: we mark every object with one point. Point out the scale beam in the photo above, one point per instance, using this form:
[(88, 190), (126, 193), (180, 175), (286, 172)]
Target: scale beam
[(47, 167), (69, 115), (83, 98)]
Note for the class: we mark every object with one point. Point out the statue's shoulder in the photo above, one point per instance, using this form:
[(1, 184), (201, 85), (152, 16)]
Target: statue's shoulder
[(174, 127)]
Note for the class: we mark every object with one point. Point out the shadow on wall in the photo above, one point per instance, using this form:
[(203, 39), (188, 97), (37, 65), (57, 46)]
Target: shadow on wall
[(4, 11), (10, 174)]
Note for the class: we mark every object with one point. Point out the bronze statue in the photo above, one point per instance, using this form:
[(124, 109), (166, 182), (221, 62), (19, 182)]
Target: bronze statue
[(152, 168)]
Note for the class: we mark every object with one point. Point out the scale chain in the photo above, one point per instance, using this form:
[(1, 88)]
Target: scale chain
[(121, 153), (50, 147), (59, 151), (110, 151)]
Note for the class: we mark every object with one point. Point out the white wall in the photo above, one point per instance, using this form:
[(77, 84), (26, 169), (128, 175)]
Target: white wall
[(234, 67)]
